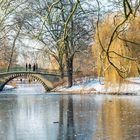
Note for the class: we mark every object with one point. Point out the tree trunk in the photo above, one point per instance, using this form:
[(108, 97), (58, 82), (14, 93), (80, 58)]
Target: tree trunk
[(62, 71), (70, 71), (12, 51)]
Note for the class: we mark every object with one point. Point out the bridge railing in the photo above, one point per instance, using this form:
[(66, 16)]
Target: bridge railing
[(22, 69), (39, 70), (12, 69)]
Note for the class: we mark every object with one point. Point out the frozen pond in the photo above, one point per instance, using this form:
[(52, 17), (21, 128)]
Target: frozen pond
[(28, 113)]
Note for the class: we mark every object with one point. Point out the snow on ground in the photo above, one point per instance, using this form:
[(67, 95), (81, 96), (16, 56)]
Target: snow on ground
[(92, 85), (134, 79), (8, 87)]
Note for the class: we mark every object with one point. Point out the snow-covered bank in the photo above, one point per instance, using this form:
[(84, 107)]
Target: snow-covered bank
[(8, 87), (92, 85)]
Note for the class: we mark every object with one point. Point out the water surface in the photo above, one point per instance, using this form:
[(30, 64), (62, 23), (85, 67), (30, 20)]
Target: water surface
[(28, 113)]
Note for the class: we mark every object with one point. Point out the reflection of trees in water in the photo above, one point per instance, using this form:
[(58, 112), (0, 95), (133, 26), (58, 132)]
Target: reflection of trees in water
[(66, 119), (70, 120), (77, 117), (118, 119), (7, 125), (61, 132)]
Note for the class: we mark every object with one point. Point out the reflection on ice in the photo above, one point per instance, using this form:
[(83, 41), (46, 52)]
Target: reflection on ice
[(41, 116)]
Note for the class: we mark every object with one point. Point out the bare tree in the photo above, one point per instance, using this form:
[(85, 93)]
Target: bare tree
[(9, 28), (63, 27)]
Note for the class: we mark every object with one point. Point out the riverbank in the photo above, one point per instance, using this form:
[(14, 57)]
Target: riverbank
[(91, 85), (9, 87)]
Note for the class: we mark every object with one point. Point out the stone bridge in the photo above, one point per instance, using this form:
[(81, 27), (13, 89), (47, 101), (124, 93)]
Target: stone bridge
[(46, 79)]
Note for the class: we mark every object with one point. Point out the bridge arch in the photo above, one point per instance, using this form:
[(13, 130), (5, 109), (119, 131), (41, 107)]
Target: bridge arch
[(45, 83)]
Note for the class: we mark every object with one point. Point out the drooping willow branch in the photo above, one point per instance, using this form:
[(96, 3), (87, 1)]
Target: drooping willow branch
[(127, 8), (97, 27), (106, 51)]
